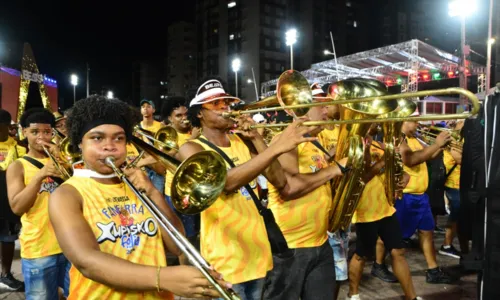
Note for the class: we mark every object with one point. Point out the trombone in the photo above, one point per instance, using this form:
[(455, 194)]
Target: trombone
[(165, 138), (430, 137), (448, 91), (64, 172), (197, 183)]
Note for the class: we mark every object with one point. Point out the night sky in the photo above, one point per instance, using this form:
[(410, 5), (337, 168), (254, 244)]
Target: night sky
[(109, 35)]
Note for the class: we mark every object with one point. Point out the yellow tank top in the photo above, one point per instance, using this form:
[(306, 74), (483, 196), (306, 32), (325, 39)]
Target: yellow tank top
[(37, 235), (453, 180), (153, 128), (132, 153), (419, 178), (373, 204), (328, 138), (304, 221), (123, 227), (233, 236), (9, 152), (182, 138)]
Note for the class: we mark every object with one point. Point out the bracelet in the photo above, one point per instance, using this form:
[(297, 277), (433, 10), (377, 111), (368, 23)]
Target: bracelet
[(158, 279)]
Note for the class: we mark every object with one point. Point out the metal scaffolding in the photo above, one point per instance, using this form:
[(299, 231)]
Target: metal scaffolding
[(398, 64)]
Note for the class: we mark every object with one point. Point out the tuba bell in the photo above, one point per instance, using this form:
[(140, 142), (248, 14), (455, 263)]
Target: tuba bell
[(348, 188)]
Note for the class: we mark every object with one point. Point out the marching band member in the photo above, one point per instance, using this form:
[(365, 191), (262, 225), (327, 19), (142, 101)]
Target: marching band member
[(413, 210), (116, 247), (60, 123), (30, 181), (175, 111), (9, 222), (150, 124), (233, 235), (374, 218), (452, 159), (303, 219)]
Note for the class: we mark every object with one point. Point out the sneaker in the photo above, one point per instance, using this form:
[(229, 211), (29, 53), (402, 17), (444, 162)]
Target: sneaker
[(439, 230), (382, 273), (8, 282), (353, 297), (437, 276), (450, 251)]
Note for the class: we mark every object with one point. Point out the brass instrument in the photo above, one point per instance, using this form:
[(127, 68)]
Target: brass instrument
[(65, 174), (270, 133), (393, 137), (164, 139), (292, 89), (187, 173), (197, 181), (349, 187), (429, 137), (448, 91)]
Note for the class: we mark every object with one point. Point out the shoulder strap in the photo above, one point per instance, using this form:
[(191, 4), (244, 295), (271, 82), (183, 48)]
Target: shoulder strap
[(451, 170), (255, 199), (39, 165)]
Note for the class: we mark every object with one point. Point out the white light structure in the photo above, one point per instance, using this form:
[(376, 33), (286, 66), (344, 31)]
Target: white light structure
[(462, 8), (236, 64), (291, 38), (74, 82), (110, 95)]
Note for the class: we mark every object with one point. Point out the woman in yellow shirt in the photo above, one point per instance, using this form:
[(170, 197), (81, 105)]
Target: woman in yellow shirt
[(116, 247)]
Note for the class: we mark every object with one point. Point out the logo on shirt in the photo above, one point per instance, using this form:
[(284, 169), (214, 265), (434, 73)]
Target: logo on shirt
[(318, 163), (244, 192), (48, 185)]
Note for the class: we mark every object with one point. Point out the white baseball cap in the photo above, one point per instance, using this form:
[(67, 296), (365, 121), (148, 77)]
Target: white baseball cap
[(258, 118)]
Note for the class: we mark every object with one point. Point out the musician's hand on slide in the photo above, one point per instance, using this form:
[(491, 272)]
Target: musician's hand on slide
[(190, 283), (244, 122), (50, 170), (138, 179)]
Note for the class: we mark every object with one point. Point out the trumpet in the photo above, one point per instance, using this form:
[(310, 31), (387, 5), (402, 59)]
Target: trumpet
[(429, 137), (191, 253)]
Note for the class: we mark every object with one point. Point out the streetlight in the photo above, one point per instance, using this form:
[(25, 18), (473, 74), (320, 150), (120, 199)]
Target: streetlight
[(74, 82), (327, 52), (462, 8), (291, 38), (488, 51), (110, 95), (236, 67)]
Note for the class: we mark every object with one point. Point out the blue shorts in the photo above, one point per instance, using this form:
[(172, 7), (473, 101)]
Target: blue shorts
[(414, 212), (157, 180), (339, 241), (43, 276), (453, 196), (189, 221)]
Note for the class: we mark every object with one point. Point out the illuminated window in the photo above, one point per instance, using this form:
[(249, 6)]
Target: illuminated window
[(231, 4), (355, 24), (231, 37)]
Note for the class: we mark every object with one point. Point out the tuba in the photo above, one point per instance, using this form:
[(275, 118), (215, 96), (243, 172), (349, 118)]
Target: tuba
[(393, 137), (348, 188)]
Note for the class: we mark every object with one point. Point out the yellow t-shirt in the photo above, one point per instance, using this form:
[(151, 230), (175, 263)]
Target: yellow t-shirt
[(304, 221), (123, 227), (37, 235), (328, 138), (233, 235), (132, 153), (419, 178), (9, 152), (373, 204), (453, 180), (182, 138), (153, 128)]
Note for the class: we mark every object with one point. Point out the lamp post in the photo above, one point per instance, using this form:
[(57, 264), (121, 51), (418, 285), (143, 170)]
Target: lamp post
[(491, 41), (236, 67), (291, 38), (74, 82), (462, 8), (110, 95)]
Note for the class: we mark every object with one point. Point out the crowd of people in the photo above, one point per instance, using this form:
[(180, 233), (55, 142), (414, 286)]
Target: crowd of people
[(90, 237)]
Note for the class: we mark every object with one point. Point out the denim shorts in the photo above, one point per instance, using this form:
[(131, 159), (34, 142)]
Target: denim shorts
[(43, 276), (189, 221), (249, 290), (339, 241), (157, 180), (453, 196)]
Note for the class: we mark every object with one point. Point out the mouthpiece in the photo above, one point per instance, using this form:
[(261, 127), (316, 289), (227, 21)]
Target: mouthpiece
[(110, 160)]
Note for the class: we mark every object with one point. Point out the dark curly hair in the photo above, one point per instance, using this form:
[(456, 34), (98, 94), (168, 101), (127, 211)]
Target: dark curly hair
[(171, 104), (38, 115), (5, 117), (193, 111), (97, 108)]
